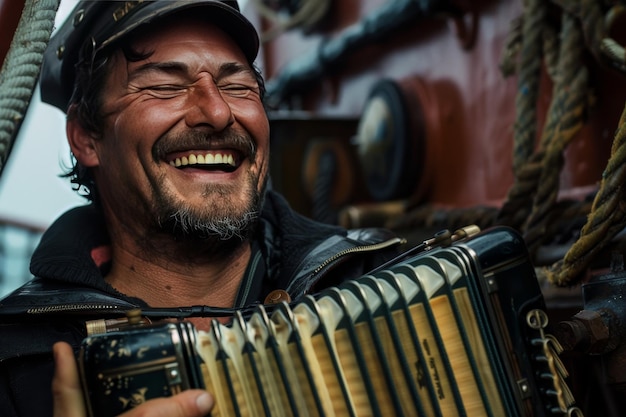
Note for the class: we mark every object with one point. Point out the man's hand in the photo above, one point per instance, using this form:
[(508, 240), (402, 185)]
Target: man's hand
[(68, 397)]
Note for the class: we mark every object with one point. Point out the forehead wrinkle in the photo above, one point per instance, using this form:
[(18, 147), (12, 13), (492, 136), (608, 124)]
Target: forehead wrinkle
[(169, 67)]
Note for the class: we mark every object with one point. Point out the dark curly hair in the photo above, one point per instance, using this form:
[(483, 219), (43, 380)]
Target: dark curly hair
[(86, 103)]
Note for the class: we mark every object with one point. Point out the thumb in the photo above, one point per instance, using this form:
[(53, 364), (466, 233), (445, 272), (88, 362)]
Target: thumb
[(190, 403), (66, 391)]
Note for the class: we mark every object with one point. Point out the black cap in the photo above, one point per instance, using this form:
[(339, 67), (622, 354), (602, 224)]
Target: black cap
[(104, 23)]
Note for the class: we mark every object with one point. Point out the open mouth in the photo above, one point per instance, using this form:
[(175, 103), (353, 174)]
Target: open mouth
[(227, 161)]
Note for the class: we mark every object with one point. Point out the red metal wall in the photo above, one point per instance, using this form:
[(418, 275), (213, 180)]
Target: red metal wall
[(472, 104)]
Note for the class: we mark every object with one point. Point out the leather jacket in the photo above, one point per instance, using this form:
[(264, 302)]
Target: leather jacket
[(301, 256)]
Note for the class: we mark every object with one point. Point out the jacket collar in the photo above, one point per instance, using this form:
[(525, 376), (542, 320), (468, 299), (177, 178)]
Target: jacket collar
[(70, 262)]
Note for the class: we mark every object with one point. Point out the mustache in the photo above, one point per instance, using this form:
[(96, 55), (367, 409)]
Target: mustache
[(194, 139)]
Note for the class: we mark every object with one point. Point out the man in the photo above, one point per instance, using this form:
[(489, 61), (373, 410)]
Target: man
[(171, 140)]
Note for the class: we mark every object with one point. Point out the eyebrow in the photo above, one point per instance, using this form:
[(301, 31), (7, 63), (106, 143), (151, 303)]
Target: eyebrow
[(232, 68), (170, 67), (181, 68)]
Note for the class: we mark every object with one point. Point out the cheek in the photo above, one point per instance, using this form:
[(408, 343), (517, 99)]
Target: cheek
[(138, 128), (261, 134), (253, 118), (141, 119)]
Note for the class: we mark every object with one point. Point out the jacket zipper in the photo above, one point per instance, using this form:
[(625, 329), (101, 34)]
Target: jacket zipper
[(364, 248), (70, 307), (79, 307)]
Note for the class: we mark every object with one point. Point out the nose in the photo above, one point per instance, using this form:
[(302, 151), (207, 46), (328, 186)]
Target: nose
[(207, 107)]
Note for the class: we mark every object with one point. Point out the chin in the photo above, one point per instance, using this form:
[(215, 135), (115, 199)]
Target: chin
[(223, 214), (219, 219)]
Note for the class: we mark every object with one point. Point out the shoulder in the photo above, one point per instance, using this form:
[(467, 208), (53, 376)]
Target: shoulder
[(30, 339), (41, 297)]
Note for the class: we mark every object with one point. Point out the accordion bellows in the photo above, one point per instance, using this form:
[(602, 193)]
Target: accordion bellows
[(453, 331)]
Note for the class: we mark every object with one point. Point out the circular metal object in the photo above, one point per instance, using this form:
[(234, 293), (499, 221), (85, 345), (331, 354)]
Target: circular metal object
[(388, 145)]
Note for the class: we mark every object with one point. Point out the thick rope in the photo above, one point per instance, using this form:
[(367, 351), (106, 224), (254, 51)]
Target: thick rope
[(608, 212), (531, 201), (21, 68), (537, 174), (528, 172), (591, 12), (528, 82), (564, 121), (551, 51), (606, 219), (512, 47), (592, 19), (516, 207)]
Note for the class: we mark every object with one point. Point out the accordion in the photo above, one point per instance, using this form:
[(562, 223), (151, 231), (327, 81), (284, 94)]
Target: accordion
[(459, 330)]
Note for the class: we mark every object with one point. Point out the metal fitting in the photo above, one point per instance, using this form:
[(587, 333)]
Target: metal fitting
[(588, 331)]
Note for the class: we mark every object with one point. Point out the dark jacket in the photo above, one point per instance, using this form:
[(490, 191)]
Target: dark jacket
[(301, 256)]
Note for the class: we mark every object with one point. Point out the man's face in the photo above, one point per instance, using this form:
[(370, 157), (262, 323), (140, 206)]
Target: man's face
[(185, 143)]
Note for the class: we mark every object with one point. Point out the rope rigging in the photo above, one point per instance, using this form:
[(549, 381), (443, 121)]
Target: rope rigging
[(583, 24), (531, 205), (20, 70), (606, 218)]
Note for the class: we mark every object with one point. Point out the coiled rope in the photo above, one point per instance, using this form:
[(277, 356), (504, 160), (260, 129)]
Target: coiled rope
[(564, 121), (531, 205), (21, 68), (528, 82), (583, 23), (606, 218)]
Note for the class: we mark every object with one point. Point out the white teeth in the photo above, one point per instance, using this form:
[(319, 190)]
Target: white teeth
[(208, 158)]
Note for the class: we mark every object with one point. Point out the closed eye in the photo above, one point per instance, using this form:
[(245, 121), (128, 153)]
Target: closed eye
[(238, 90), (165, 90)]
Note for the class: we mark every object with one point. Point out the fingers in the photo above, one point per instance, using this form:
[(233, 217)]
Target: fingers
[(191, 403), (66, 391), (68, 396)]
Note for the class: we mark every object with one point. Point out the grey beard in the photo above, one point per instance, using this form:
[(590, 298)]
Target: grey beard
[(184, 223)]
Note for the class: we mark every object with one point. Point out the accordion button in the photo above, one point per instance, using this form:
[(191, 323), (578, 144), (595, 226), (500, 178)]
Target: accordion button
[(277, 296)]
